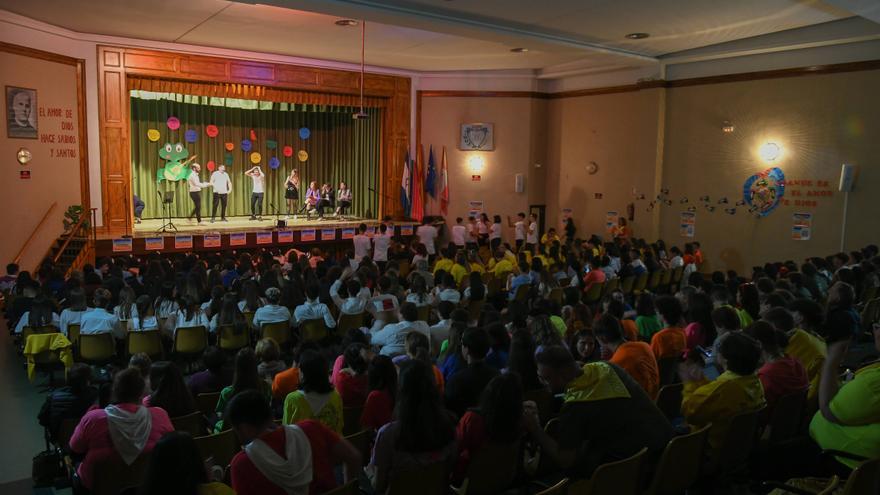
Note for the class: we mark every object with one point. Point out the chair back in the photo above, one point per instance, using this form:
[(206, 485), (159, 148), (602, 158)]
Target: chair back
[(654, 280), (249, 318), (736, 445), (593, 295), (65, 431), (347, 322), (522, 293), (232, 337), (350, 488), (666, 279), (278, 331), (620, 478), (191, 423), (557, 489), (207, 403), (97, 348), (667, 368), (474, 309), (494, 286), (313, 330), (361, 441), (404, 268), (432, 479), (784, 422), (557, 295), (626, 285), (641, 284), (190, 340), (73, 334), (351, 419), (677, 274), (679, 465), (870, 314), (28, 331), (424, 313), (492, 469), (149, 342), (488, 277), (611, 285), (114, 475), (669, 400), (219, 447), (865, 478)]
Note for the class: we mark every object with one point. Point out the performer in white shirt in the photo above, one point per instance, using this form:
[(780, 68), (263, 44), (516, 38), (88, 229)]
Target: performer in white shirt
[(532, 235), (259, 179), (459, 232), (381, 243), (361, 243), (519, 229), (222, 185), (427, 234), (483, 229), (495, 233), (195, 191)]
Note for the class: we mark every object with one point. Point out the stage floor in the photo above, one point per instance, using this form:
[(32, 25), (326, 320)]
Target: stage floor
[(150, 227)]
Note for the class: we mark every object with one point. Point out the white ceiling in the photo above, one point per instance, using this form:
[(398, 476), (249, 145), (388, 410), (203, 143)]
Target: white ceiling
[(439, 35)]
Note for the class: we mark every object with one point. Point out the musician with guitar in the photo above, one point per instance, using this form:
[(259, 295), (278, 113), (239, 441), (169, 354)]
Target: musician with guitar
[(195, 191)]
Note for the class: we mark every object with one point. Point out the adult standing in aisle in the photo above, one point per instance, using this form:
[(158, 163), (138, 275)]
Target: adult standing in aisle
[(222, 185), (195, 191), (259, 180), (532, 233)]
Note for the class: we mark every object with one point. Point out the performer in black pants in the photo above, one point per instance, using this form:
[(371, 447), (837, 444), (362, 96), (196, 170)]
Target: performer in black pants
[(195, 191), (222, 185), (259, 179), (326, 201)]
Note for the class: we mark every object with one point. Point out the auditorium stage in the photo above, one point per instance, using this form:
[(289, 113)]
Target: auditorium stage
[(330, 234)]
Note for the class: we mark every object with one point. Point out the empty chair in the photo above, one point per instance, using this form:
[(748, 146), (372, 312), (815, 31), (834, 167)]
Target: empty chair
[(679, 466), (619, 478), (191, 423), (277, 331), (220, 447), (207, 403), (149, 342), (97, 348), (232, 337)]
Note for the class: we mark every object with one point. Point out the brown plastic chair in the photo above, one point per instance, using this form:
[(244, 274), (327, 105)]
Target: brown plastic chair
[(666, 280), (190, 340), (640, 284), (207, 403), (347, 322), (677, 274), (626, 285), (423, 480), (730, 460), (73, 336), (350, 488), (654, 280), (784, 422), (496, 285), (488, 277), (232, 337), (97, 348), (669, 400), (28, 331), (65, 431), (219, 447), (404, 268), (278, 331), (115, 475), (865, 478), (191, 423), (424, 313), (556, 295), (492, 469), (594, 294), (351, 419), (249, 318), (619, 478), (313, 330), (474, 309), (679, 466), (557, 489), (522, 293), (611, 286), (361, 441), (149, 342)]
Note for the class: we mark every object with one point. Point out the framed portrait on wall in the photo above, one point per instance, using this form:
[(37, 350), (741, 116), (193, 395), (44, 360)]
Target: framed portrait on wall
[(21, 112), (478, 136)]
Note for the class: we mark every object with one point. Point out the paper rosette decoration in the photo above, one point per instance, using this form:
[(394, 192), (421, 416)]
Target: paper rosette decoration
[(228, 159), (173, 123), (211, 165), (255, 158), (246, 145), (212, 130), (304, 132), (271, 144), (153, 135), (229, 146), (302, 155), (190, 135), (288, 151), (253, 135), (274, 162), (764, 190)]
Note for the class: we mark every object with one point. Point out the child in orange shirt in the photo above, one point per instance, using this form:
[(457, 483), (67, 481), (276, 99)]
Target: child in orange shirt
[(670, 342)]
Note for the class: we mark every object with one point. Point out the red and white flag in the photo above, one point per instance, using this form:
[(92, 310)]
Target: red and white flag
[(444, 185)]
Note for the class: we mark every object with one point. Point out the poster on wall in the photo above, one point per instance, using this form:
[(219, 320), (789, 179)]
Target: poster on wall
[(611, 220), (264, 237), (475, 208), (122, 245), (406, 230), (21, 112), (154, 243), (183, 242), (211, 240), (328, 234), (687, 224), (802, 226), (763, 191), (237, 239), (285, 236), (307, 235)]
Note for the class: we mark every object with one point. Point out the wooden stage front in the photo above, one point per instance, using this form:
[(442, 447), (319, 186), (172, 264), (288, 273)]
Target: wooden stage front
[(330, 234)]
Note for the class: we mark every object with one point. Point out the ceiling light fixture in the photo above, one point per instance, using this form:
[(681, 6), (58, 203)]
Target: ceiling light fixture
[(519, 50), (346, 22), (637, 36), (769, 152)]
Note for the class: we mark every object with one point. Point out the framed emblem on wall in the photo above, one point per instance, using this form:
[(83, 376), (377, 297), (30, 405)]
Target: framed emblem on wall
[(477, 136)]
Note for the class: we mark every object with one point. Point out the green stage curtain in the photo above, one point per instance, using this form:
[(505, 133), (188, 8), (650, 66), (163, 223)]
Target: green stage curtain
[(339, 148)]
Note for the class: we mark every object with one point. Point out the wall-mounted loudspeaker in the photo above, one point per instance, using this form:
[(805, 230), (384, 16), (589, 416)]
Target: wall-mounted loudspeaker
[(518, 183)]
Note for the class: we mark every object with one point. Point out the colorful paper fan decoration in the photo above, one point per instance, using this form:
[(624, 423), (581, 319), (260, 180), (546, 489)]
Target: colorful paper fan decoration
[(212, 130), (302, 155), (173, 123), (255, 158), (153, 135), (190, 135), (304, 132), (287, 151), (271, 144), (229, 146), (764, 191), (253, 135), (274, 162), (246, 145), (228, 159), (211, 165)]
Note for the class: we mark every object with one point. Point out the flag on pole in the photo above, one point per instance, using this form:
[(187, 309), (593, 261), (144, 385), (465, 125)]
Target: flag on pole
[(444, 185), (418, 200), (431, 177), (405, 186)]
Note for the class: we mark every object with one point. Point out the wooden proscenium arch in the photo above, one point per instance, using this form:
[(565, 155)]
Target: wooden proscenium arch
[(115, 64)]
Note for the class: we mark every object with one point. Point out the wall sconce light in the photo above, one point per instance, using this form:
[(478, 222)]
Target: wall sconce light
[(476, 164), (769, 152), (727, 127)]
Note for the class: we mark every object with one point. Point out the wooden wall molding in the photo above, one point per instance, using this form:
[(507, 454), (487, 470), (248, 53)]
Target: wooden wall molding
[(480, 94), (116, 64), (82, 121)]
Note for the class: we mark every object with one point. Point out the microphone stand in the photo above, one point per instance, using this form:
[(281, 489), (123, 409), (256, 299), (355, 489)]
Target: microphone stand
[(277, 215)]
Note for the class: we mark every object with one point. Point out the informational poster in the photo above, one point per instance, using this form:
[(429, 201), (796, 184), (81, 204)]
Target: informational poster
[(802, 226), (687, 224), (566, 214), (122, 245), (307, 235), (348, 233), (183, 242), (406, 230), (264, 237), (285, 236), (238, 239), (611, 219), (475, 208), (328, 234), (211, 240), (154, 243)]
